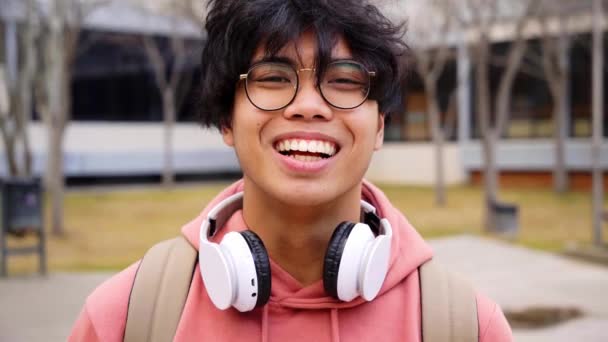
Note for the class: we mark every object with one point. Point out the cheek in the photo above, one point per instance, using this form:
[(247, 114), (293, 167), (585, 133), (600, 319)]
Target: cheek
[(366, 124), (247, 125)]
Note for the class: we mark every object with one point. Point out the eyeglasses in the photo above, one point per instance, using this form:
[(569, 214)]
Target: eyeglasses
[(272, 86)]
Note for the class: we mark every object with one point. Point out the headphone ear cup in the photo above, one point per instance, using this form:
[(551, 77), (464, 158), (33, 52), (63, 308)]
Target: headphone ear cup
[(262, 266), (333, 256), (217, 271)]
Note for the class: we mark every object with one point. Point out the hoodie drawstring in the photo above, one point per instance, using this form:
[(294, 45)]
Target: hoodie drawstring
[(265, 324), (335, 331)]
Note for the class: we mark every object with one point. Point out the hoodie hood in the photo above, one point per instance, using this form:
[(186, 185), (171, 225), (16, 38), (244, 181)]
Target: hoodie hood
[(408, 251)]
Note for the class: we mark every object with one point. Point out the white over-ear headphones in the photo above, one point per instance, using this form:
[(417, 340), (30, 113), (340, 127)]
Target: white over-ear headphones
[(236, 272)]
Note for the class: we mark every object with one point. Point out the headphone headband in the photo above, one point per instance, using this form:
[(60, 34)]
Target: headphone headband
[(221, 213)]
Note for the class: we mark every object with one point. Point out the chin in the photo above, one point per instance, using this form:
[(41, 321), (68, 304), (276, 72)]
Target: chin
[(309, 194)]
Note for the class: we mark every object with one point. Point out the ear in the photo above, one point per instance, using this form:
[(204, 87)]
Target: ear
[(227, 135), (380, 133)]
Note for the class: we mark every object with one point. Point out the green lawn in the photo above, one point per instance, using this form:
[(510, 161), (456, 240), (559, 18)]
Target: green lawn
[(111, 229)]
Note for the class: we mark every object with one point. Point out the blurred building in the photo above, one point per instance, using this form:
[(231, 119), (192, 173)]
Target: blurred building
[(525, 155), (116, 127)]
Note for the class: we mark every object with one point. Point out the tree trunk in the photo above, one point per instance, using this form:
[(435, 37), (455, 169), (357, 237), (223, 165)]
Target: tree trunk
[(14, 122), (9, 147), (55, 180), (560, 174), (26, 85), (556, 66), (168, 98), (490, 177), (23, 117), (440, 193), (598, 116), (57, 95), (438, 140), (490, 173)]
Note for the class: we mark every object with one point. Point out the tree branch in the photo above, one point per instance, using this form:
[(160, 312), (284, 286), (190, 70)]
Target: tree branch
[(516, 54), (156, 59)]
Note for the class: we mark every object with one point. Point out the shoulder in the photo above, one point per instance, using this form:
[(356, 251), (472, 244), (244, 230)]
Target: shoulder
[(105, 312), (441, 287), (493, 325)]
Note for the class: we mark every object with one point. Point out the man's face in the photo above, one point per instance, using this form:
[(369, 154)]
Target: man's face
[(338, 143)]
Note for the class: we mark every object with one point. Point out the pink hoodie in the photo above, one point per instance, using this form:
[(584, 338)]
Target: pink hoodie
[(294, 313)]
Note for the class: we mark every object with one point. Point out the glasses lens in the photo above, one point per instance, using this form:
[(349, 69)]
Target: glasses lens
[(345, 84), (271, 86)]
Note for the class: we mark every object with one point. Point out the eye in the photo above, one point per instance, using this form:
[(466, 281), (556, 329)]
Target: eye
[(271, 75), (345, 81), (345, 76), (273, 79)]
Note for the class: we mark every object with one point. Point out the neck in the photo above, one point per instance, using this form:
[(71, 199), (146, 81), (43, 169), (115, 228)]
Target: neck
[(296, 236)]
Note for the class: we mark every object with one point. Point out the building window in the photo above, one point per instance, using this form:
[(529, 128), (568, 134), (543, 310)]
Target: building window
[(114, 81)]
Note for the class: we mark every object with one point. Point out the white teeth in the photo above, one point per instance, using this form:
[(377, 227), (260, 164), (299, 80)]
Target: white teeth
[(306, 159), (312, 146), (294, 145)]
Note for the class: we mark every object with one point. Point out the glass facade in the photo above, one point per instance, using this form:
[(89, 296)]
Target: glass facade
[(413, 124), (531, 111), (113, 80)]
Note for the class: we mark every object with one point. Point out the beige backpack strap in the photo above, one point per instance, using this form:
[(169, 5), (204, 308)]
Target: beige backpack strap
[(449, 307), (159, 291)]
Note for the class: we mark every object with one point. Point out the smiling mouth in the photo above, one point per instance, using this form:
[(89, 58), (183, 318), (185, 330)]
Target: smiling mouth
[(306, 150)]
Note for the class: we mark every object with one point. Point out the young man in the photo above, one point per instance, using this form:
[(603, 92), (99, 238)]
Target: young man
[(300, 89)]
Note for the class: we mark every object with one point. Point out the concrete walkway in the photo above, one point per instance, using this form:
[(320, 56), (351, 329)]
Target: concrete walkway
[(35, 309), (518, 278)]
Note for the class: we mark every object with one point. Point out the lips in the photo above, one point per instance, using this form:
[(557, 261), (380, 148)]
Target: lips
[(306, 150)]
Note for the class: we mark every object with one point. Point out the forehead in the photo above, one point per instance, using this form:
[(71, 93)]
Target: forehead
[(303, 51)]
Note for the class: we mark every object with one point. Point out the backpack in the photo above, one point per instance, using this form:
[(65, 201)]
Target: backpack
[(162, 282)]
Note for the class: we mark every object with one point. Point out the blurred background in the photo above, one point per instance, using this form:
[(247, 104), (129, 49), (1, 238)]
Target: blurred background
[(498, 158)]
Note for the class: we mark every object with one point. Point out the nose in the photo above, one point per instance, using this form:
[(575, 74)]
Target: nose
[(308, 103)]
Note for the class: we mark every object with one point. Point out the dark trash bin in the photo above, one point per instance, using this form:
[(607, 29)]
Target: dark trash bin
[(506, 218), (21, 214)]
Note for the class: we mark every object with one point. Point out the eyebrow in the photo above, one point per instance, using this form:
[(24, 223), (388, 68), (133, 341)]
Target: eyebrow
[(274, 59), (286, 60)]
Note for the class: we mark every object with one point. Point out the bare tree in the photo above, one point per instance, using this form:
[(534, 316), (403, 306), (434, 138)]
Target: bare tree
[(55, 106), (432, 53), (167, 79), (480, 20), (14, 121), (59, 50), (555, 66), (554, 37), (168, 66)]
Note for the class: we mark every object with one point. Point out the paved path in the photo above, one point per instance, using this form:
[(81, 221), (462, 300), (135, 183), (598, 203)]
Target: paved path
[(35, 309), (43, 309), (517, 278)]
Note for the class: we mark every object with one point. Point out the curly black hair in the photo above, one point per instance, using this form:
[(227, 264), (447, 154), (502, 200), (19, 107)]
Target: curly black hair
[(235, 28)]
